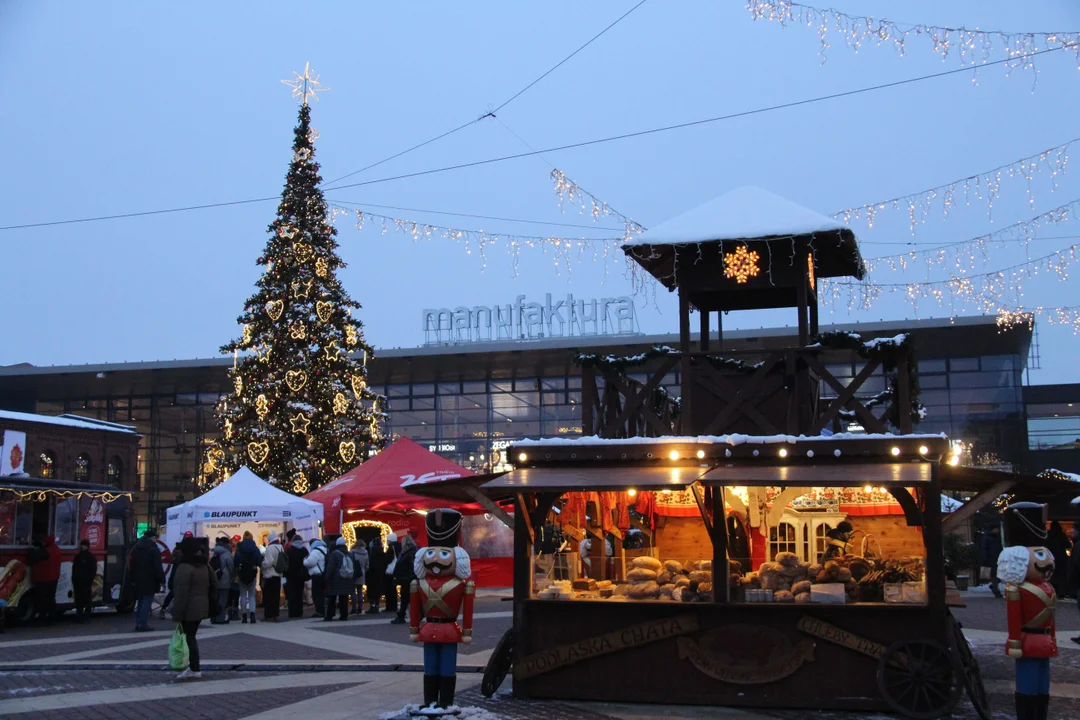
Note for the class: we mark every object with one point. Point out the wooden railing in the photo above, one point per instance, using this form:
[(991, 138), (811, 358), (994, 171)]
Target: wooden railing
[(778, 394)]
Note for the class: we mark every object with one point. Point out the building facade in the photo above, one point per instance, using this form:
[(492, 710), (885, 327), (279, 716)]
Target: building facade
[(468, 402)]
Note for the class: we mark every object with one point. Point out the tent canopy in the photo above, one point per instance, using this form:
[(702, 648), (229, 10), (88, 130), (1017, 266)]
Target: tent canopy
[(243, 497), (376, 485)]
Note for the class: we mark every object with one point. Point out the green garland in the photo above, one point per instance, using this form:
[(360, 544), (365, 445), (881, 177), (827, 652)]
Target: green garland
[(620, 364), (888, 352)]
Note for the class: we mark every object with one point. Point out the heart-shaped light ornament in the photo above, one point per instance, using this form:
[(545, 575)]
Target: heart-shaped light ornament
[(347, 450), (258, 452), (214, 457), (296, 379), (302, 252), (324, 309), (358, 385), (274, 308)]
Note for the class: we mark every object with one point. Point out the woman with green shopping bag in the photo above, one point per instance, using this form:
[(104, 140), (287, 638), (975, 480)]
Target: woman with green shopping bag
[(194, 587)]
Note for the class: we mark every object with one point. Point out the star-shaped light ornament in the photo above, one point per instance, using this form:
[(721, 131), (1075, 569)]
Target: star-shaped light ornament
[(305, 86), (300, 423), (333, 352), (302, 155), (287, 231), (302, 289)]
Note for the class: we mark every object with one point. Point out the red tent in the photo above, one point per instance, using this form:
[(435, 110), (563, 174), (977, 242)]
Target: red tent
[(372, 491)]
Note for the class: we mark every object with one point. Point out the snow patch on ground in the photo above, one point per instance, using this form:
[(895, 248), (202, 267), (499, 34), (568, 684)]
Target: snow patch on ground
[(474, 713)]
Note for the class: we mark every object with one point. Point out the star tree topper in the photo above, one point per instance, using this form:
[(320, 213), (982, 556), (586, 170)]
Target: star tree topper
[(305, 86)]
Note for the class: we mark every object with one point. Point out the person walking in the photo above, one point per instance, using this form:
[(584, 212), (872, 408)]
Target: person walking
[(83, 572), (221, 562), (393, 552), (295, 577), (44, 561), (360, 568), (275, 562), (404, 574), (1073, 570), (147, 575), (991, 548), (195, 584), (1058, 543), (375, 574), (339, 581), (316, 566), (246, 563)]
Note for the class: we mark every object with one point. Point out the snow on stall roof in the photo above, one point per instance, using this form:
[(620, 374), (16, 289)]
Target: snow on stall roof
[(737, 439), (67, 421), (744, 213)]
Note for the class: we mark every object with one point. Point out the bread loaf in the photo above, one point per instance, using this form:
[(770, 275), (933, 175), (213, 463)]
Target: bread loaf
[(649, 563), (673, 566), (643, 590), (640, 574)]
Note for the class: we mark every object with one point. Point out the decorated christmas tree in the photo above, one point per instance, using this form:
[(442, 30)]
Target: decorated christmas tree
[(300, 413)]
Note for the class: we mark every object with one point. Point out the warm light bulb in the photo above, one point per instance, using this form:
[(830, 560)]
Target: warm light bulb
[(923, 449), (674, 455), (783, 452), (631, 492), (954, 460), (701, 454), (895, 451), (882, 490), (522, 457), (667, 492), (868, 489)]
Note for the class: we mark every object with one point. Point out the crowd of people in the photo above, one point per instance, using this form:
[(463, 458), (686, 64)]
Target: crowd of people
[(223, 583)]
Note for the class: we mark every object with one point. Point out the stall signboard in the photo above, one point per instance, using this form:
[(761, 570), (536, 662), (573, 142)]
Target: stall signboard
[(612, 642), (746, 654), (92, 527), (838, 636)]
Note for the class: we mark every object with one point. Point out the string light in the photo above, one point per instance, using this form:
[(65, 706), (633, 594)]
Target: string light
[(347, 450), (570, 192), (258, 451), (341, 404), (981, 187), (300, 423), (742, 264), (274, 308), (262, 406), (324, 309), (43, 494), (295, 379), (300, 485), (321, 267), (1008, 318), (303, 252), (297, 331), (348, 531), (972, 47)]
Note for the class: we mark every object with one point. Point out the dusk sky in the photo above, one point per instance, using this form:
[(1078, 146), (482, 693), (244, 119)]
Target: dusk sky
[(122, 107)]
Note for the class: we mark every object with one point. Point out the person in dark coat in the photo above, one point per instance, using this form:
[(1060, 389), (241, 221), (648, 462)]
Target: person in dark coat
[(174, 560), (1072, 573), (246, 562), (83, 572), (1059, 545), (339, 580), (377, 560), (147, 575), (404, 574), (195, 582), (44, 561), (991, 548), (296, 576), (393, 552)]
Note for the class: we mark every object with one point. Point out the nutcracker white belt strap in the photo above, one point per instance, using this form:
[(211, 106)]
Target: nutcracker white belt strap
[(1046, 600), (434, 598)]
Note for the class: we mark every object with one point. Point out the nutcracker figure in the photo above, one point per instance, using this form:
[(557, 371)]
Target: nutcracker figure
[(1025, 566), (442, 591)]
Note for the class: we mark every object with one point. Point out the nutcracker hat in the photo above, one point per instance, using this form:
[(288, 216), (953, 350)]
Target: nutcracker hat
[(1024, 525), (443, 527)]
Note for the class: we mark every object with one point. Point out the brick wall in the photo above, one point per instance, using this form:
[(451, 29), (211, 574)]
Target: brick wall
[(68, 443)]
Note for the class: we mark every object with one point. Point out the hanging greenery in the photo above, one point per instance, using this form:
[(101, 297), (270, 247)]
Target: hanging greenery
[(619, 364)]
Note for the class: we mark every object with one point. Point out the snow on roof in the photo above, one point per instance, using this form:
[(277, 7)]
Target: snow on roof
[(68, 421), (736, 439), (744, 213)]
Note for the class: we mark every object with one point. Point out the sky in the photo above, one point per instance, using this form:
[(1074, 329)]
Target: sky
[(122, 107)]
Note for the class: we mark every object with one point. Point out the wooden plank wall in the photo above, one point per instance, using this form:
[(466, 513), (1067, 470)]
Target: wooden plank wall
[(892, 533), (682, 539)]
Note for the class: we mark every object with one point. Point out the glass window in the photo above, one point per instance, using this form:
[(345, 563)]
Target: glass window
[(933, 381), (449, 388), (397, 390), (931, 366), (66, 522), (525, 384), (112, 472), (474, 387), (820, 539), (782, 538), (1054, 433), (502, 386), (1000, 362), (558, 383), (964, 364), (423, 389), (82, 468), (9, 509), (47, 465), (23, 528), (840, 371), (982, 379)]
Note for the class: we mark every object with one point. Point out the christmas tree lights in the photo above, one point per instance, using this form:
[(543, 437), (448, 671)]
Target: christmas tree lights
[(287, 418)]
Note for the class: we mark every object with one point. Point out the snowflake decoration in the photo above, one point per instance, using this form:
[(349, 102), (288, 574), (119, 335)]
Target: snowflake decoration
[(741, 264), (305, 86)]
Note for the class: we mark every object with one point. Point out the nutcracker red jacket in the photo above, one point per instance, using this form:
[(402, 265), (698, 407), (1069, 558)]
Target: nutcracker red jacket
[(1031, 620), (439, 601)]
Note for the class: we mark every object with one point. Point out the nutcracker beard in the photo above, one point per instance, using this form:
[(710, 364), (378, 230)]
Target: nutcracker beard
[(1032, 631)]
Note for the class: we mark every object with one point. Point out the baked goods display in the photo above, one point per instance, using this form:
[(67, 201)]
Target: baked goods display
[(646, 579)]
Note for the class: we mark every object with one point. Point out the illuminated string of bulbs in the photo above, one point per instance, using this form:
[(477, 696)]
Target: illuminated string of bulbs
[(965, 254), (972, 47), (987, 292), (1069, 315), (564, 250), (981, 187), (570, 192)]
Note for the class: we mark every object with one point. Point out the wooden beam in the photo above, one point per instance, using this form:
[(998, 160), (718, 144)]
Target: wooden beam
[(704, 338), (977, 503), (523, 508), (912, 513), (780, 503), (490, 505), (802, 300)]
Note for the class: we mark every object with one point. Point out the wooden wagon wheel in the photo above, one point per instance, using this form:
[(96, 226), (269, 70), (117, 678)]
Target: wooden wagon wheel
[(920, 679), (972, 677), (498, 665)]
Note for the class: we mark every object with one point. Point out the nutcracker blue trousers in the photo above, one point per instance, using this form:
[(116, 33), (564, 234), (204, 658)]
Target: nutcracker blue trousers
[(440, 659), (1033, 676)]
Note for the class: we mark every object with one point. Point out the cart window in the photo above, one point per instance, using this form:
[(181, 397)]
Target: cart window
[(66, 522), (116, 533), (782, 538), (8, 512), (40, 519)]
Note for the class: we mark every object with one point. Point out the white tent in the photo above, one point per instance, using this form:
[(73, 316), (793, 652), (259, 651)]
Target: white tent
[(244, 502)]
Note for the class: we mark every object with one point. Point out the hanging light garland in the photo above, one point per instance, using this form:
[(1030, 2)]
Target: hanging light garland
[(40, 495), (981, 187), (1009, 318), (971, 47), (965, 254), (570, 192), (348, 531)]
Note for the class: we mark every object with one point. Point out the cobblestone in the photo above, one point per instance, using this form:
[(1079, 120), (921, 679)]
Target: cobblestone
[(486, 632), (237, 646)]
